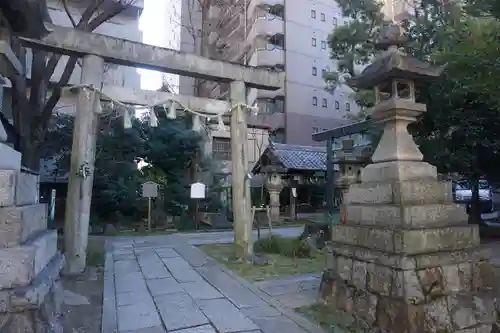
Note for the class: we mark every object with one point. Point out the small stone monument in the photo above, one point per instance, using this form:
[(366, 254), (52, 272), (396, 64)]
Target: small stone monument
[(406, 261)]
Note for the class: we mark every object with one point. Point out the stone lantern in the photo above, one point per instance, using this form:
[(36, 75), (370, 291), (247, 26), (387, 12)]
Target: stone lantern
[(406, 260), (350, 165), (274, 185)]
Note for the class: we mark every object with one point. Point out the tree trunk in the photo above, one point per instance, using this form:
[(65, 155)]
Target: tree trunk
[(475, 207), (30, 154)]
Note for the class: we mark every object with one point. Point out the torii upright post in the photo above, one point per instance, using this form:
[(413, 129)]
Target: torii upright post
[(240, 181), (81, 176)]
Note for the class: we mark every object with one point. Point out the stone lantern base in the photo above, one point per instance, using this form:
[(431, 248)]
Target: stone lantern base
[(406, 260)]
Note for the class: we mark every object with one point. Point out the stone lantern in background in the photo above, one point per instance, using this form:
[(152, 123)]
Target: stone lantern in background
[(350, 165), (406, 260), (274, 185)]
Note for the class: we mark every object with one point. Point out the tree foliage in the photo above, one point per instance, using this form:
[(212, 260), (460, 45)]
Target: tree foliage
[(166, 151)]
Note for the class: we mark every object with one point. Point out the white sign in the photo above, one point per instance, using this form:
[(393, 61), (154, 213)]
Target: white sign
[(149, 190), (197, 191)]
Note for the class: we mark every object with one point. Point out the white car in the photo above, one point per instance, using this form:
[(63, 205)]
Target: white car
[(463, 194)]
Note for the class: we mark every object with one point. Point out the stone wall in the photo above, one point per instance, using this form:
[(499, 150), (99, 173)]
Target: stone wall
[(30, 263), (442, 292)]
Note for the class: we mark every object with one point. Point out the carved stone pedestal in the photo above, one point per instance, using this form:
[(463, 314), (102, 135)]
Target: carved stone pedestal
[(30, 264), (407, 261)]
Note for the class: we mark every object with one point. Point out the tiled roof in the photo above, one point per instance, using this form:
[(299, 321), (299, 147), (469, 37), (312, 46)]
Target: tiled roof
[(300, 157)]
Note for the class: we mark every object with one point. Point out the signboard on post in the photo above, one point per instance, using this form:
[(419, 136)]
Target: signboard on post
[(197, 191), (149, 190)]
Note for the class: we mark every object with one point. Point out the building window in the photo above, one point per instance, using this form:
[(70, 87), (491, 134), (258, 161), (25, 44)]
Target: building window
[(313, 13), (323, 45), (314, 71), (323, 72), (348, 107), (221, 148), (335, 23), (313, 42), (337, 105), (323, 17), (315, 100), (324, 103)]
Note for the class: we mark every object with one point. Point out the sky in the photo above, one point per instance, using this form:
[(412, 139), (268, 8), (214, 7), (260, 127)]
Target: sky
[(154, 12)]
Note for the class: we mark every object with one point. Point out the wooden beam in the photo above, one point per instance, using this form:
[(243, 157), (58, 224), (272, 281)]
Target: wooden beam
[(118, 51), (343, 131), (147, 97)]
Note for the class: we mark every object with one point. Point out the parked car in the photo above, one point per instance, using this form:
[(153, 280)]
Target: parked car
[(462, 193)]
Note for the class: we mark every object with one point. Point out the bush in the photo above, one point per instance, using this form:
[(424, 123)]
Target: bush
[(289, 247)]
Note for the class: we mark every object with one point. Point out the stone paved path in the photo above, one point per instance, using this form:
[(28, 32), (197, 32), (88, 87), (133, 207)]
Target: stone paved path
[(162, 284), (292, 291)]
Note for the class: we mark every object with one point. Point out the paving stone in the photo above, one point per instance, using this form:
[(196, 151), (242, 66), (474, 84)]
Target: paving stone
[(157, 329), (164, 286), (201, 290), (179, 311), (126, 266), (181, 270), (167, 253), (124, 257), (137, 316), (229, 287), (129, 282), (225, 316), (132, 297), (193, 255), (277, 324), (298, 299), (109, 321), (198, 329), (260, 311), (156, 271)]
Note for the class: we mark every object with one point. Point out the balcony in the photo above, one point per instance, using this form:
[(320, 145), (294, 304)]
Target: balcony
[(264, 4), (267, 57), (269, 25), (261, 94)]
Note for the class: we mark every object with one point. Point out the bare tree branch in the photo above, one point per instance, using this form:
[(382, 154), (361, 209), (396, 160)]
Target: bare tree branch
[(66, 9)]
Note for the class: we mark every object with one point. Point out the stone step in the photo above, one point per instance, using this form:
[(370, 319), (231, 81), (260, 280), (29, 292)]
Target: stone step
[(34, 295), (18, 188), (19, 265), (408, 241), (17, 224), (406, 216), (410, 192)]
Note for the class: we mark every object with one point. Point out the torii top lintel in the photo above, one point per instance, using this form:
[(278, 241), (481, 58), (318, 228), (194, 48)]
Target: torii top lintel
[(118, 51)]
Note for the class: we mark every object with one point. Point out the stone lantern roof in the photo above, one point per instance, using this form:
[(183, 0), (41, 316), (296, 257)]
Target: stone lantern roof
[(25, 17), (394, 63)]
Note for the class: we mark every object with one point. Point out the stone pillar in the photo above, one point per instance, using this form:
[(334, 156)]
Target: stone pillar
[(81, 176), (407, 260), (274, 185), (240, 181)]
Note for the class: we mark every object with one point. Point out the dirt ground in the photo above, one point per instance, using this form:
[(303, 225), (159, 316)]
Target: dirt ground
[(82, 306)]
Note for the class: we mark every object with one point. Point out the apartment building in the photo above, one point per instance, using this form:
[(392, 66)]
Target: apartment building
[(124, 25), (280, 35)]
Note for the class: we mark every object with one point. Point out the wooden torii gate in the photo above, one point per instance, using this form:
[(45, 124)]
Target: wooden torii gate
[(96, 49)]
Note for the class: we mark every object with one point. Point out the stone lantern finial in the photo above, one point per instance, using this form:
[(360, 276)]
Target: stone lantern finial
[(391, 37)]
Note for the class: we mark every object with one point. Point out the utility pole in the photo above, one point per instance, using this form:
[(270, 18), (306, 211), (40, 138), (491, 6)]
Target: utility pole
[(240, 181), (81, 176)]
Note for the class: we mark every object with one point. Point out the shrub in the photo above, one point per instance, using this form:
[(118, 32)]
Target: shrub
[(290, 247)]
